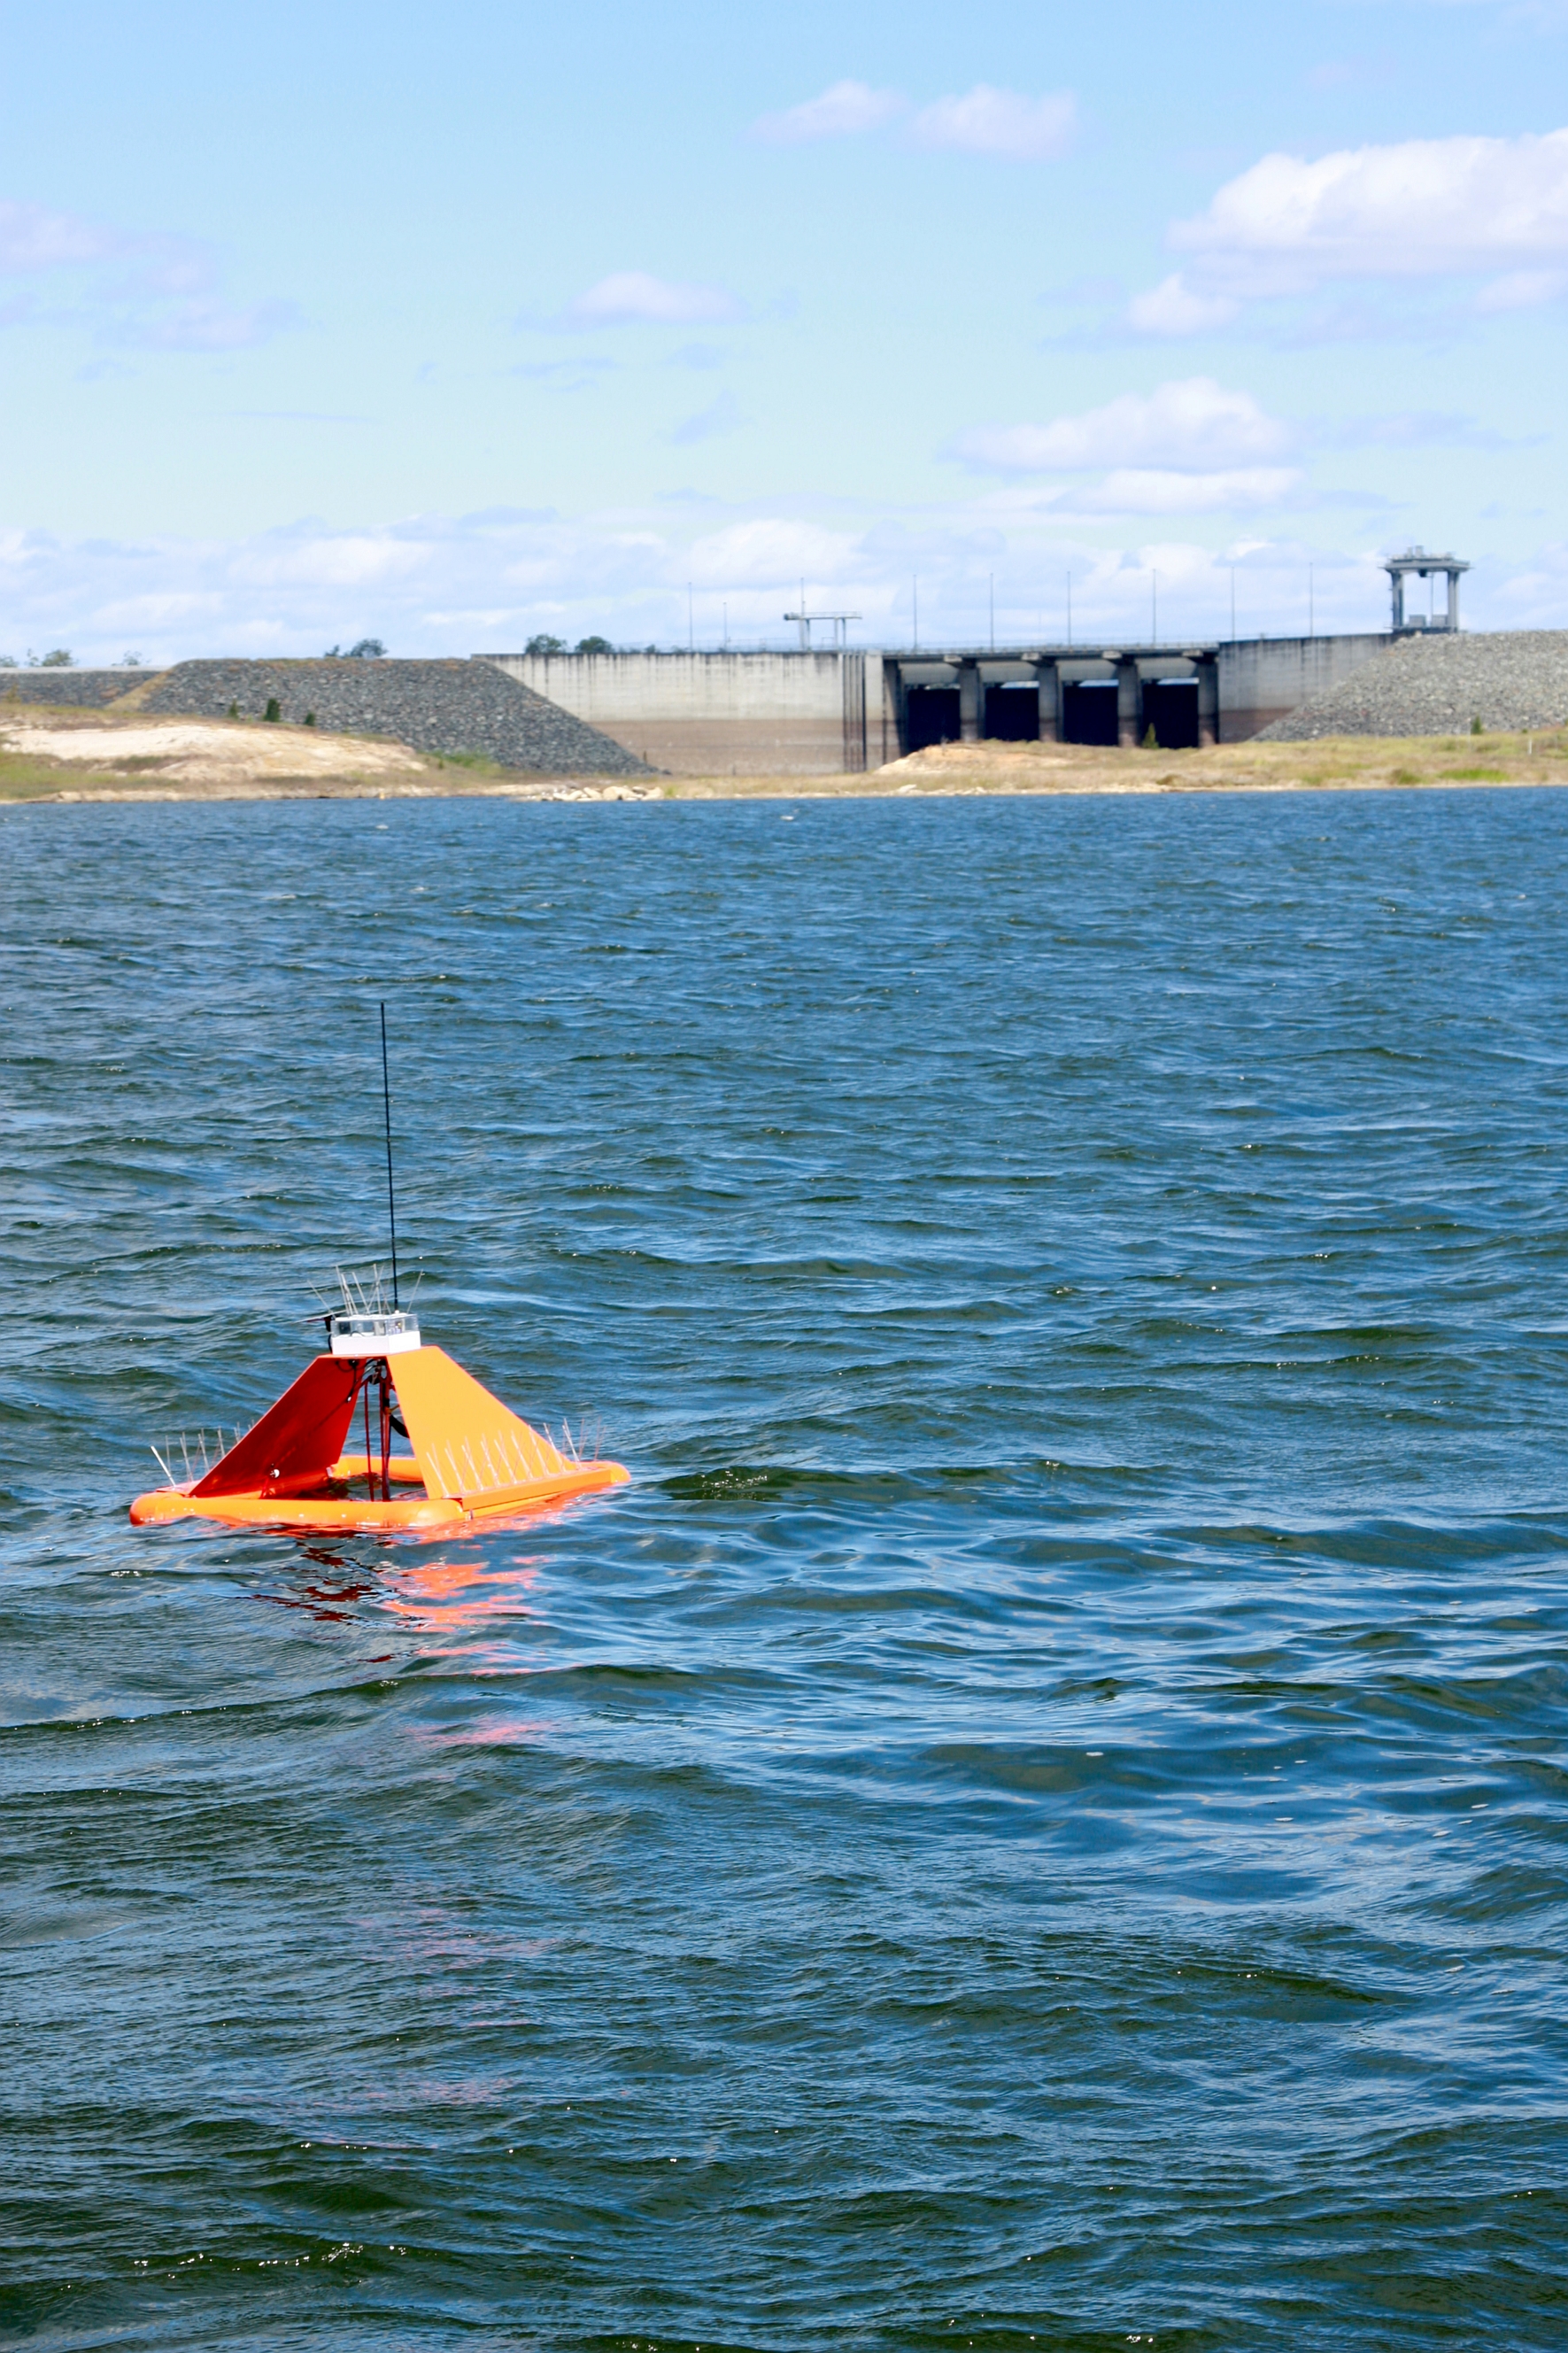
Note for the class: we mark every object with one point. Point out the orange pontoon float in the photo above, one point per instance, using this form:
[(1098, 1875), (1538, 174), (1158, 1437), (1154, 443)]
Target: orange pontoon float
[(469, 1457)]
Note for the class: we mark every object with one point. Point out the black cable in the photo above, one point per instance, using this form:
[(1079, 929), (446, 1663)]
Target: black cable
[(386, 1106)]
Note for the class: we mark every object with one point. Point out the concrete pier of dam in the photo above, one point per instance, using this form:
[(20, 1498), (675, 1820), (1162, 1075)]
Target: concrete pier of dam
[(814, 714)]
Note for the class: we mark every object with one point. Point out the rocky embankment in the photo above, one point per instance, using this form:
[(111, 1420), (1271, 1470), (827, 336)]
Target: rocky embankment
[(450, 707), (1510, 680), (87, 690), (440, 707)]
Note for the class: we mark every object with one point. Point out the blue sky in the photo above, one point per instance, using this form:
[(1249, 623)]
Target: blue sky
[(451, 325)]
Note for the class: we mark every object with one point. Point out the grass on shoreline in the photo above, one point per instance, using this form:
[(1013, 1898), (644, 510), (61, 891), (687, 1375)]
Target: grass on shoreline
[(1338, 763), (1331, 763)]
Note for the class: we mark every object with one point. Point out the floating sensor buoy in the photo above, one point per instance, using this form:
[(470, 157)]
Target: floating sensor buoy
[(468, 1457)]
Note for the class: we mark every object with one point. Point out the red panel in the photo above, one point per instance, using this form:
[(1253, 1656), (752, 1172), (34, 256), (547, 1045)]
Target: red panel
[(296, 1442)]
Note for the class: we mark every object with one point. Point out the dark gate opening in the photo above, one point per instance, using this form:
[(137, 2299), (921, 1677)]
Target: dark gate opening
[(1013, 713), (1088, 711), (932, 716), (1170, 708)]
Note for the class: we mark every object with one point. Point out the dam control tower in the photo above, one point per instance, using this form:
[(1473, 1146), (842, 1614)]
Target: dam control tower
[(1416, 561)]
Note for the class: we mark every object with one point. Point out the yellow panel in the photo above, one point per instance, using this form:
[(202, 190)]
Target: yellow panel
[(468, 1445)]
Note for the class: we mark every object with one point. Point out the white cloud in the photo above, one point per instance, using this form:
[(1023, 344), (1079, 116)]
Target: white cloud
[(1523, 289), (1410, 429), (982, 121), (172, 609), (1173, 309), (1192, 424), (635, 298), (156, 292), (332, 560), (575, 374), (1537, 596), (720, 415), (552, 559), (34, 239), (1421, 207), (202, 326), (1146, 491), (772, 551), (987, 122), (842, 110)]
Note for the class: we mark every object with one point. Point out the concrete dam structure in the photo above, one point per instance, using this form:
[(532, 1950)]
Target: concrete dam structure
[(721, 713), (818, 714), (796, 713)]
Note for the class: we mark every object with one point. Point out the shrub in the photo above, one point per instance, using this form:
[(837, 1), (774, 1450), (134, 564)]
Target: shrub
[(309, 718), (60, 659), (595, 646), (273, 711), (1476, 727), (542, 642)]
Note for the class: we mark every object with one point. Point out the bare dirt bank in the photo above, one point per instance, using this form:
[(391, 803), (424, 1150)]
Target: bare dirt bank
[(69, 755), (66, 755)]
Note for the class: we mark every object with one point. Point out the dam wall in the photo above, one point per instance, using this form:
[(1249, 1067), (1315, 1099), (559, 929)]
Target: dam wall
[(818, 714), (754, 714), (1262, 680), (722, 714)]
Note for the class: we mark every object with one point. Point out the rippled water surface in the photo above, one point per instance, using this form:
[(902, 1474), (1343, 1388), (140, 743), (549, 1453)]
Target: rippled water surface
[(1038, 1818)]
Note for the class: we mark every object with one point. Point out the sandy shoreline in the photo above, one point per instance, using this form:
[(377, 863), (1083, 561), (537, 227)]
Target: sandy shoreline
[(67, 755)]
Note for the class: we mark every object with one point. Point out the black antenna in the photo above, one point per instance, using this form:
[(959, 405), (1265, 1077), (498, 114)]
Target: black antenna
[(386, 1106)]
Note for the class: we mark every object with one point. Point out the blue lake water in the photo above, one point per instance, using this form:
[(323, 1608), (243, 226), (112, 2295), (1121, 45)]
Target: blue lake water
[(1038, 1820)]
